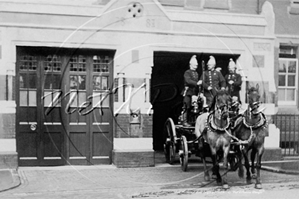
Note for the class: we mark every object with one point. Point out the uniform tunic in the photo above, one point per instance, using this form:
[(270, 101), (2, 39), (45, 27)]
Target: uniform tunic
[(234, 89), (191, 78), (214, 79)]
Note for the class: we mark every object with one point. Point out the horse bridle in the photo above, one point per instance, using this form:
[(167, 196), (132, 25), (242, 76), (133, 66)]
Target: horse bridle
[(253, 106), (221, 108)]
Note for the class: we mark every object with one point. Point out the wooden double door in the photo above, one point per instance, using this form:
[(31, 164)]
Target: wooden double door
[(64, 106)]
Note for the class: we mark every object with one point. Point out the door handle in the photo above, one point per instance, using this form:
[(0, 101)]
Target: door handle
[(33, 126)]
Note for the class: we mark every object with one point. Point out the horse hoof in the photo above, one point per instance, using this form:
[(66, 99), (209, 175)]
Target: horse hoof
[(220, 184), (225, 186), (258, 186), (206, 178)]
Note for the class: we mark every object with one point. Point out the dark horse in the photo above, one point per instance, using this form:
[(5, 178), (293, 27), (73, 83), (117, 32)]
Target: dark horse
[(250, 129), (215, 129)]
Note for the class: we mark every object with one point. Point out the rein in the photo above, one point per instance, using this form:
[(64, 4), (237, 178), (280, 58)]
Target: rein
[(263, 122)]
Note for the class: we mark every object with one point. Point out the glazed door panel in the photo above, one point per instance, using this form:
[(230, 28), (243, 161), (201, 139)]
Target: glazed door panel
[(89, 102), (37, 144), (63, 106), (101, 115)]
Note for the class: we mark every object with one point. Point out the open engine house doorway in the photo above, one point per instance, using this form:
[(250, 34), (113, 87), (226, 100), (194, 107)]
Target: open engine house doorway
[(167, 84)]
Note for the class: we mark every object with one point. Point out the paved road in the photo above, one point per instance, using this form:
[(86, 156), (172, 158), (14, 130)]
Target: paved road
[(162, 181)]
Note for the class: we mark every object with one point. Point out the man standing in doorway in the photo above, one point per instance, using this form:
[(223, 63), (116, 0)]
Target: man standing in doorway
[(191, 87), (212, 81)]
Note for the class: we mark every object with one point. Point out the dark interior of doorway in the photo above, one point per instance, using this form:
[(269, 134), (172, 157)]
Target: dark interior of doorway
[(167, 84)]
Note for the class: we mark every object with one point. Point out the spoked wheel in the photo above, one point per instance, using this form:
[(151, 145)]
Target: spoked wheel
[(169, 146), (185, 153), (167, 150), (172, 153)]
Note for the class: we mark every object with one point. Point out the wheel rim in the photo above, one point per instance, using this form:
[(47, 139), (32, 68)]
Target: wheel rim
[(167, 151), (170, 134), (184, 156), (171, 153), (171, 131)]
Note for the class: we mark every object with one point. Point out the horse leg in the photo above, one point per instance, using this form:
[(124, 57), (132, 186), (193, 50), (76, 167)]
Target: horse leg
[(202, 156), (214, 162), (215, 168), (253, 154), (247, 165), (206, 174), (241, 168), (225, 165), (258, 167)]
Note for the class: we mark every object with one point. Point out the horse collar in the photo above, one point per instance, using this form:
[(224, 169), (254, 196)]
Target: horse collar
[(262, 122), (213, 126)]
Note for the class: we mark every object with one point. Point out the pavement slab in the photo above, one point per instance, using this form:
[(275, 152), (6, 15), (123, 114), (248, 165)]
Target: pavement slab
[(161, 181)]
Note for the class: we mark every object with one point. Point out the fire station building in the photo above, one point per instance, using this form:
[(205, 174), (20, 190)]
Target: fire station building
[(92, 82)]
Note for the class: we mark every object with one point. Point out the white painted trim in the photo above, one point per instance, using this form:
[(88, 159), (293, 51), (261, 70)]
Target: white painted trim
[(100, 157), (100, 123), (171, 32), (79, 123), (35, 7), (122, 144), (28, 158), (172, 47), (52, 158), (8, 145), (287, 36), (7, 106), (217, 18), (52, 123), (65, 44), (74, 158)]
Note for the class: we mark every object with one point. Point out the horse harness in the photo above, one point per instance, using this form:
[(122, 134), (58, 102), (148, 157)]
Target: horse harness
[(262, 123), (213, 127)]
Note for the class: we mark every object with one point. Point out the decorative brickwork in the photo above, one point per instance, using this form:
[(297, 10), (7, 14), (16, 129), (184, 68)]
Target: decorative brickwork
[(129, 159), (7, 125), (126, 130)]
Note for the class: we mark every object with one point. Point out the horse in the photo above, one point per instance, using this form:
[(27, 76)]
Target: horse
[(214, 127), (249, 130)]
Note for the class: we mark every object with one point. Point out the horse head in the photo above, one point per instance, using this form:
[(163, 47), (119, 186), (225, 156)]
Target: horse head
[(221, 104), (253, 99)]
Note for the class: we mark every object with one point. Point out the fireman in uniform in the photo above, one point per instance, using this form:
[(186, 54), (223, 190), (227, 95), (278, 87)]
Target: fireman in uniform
[(212, 81), (234, 82), (191, 87)]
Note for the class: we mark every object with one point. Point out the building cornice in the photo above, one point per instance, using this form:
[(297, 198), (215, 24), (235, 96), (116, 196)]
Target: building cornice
[(158, 32)]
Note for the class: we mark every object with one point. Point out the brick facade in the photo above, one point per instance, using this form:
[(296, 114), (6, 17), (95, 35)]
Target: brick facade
[(7, 125), (125, 129)]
